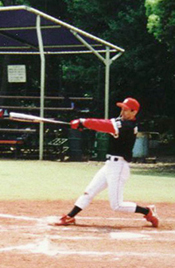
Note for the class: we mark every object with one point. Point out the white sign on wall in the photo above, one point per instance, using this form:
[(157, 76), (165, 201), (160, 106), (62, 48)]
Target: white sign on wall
[(16, 73)]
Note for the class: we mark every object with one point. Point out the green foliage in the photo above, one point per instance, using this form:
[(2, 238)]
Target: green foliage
[(146, 70), (54, 8), (14, 2), (161, 20), (22, 2)]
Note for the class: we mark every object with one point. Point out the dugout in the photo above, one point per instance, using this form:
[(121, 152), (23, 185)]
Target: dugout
[(25, 30)]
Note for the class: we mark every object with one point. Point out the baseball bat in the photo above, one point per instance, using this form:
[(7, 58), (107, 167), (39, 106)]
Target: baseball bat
[(35, 119)]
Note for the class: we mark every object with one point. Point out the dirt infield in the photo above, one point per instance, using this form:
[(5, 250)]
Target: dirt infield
[(101, 238)]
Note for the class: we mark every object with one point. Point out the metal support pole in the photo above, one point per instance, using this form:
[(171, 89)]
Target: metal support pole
[(42, 87), (88, 46), (107, 76)]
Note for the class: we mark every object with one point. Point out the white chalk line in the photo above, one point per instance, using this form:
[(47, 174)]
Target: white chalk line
[(62, 237), (112, 235), (26, 218), (118, 235), (44, 247), (42, 223)]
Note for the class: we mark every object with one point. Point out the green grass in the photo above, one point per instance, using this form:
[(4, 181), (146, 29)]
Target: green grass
[(47, 180), (151, 188)]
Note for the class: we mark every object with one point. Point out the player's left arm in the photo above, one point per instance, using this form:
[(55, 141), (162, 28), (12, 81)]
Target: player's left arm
[(101, 125)]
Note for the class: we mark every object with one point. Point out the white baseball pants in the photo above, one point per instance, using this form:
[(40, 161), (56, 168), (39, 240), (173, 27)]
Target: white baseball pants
[(113, 175)]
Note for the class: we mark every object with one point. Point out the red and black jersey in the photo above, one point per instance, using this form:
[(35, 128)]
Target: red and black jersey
[(123, 134), (122, 144)]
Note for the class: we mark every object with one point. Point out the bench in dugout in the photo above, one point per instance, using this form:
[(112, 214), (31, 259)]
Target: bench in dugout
[(12, 141)]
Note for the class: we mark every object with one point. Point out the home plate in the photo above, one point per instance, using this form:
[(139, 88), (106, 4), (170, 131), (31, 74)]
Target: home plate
[(128, 235)]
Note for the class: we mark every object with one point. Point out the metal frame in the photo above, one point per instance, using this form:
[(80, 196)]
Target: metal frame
[(42, 85), (78, 33)]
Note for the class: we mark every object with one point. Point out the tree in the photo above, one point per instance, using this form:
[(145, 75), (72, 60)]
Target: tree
[(142, 70), (161, 21), (14, 2), (55, 8)]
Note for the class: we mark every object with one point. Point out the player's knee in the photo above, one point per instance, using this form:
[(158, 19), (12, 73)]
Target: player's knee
[(88, 195)]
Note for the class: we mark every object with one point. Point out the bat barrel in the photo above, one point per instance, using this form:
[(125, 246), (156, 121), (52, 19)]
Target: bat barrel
[(34, 119)]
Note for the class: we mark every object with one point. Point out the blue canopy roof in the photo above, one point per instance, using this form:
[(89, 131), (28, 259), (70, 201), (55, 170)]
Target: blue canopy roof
[(18, 34)]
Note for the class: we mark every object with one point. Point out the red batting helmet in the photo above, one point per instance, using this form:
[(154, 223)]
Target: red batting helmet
[(129, 103)]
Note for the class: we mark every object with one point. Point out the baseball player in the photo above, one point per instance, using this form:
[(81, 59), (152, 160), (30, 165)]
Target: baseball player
[(115, 172)]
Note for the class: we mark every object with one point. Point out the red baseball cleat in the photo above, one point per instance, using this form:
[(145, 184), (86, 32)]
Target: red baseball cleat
[(64, 220), (152, 216)]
